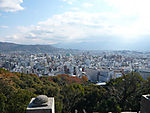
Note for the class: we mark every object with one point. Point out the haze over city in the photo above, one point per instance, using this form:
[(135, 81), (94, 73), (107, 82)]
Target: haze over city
[(77, 24)]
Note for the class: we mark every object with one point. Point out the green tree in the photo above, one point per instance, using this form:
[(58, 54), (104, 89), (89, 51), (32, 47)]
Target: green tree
[(127, 91), (72, 94), (3, 100)]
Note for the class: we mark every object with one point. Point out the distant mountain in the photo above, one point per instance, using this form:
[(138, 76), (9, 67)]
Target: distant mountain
[(12, 47)]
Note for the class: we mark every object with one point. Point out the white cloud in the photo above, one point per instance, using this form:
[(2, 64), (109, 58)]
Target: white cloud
[(140, 25), (128, 22), (67, 27), (87, 5), (69, 1), (11, 5), (75, 8), (73, 27), (4, 27)]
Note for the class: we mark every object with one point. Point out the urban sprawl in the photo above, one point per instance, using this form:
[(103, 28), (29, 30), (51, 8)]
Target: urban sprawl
[(96, 66)]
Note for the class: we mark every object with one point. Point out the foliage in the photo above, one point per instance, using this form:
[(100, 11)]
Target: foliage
[(72, 93)]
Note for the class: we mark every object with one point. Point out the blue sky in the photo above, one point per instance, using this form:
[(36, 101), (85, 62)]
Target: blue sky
[(79, 24)]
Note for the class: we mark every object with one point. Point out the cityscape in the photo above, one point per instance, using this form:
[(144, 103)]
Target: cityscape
[(74, 56), (97, 67)]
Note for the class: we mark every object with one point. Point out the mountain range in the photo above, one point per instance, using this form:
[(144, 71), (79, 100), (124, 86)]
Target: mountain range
[(6, 47)]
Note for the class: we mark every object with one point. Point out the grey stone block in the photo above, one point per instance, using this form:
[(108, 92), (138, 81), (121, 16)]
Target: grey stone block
[(145, 104), (47, 107)]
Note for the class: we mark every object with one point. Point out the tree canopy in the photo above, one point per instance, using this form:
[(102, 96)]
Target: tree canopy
[(72, 93)]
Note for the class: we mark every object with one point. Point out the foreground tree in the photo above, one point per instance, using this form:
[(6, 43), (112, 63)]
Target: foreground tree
[(127, 91)]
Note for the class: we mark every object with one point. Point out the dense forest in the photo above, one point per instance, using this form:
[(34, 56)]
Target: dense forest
[(72, 93)]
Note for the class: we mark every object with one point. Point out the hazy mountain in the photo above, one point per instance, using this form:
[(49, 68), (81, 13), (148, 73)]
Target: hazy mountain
[(12, 47)]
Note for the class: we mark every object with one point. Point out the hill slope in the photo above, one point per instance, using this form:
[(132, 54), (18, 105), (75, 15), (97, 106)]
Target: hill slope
[(71, 93), (12, 47)]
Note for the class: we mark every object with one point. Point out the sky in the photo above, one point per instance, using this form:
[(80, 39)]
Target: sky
[(77, 24)]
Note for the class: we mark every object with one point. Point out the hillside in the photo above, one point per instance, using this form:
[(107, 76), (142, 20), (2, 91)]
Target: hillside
[(70, 93), (12, 47)]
